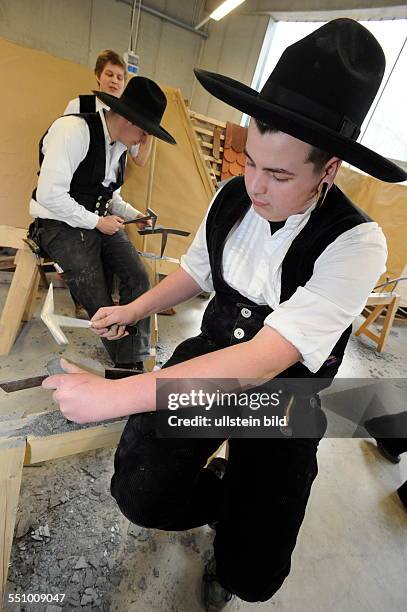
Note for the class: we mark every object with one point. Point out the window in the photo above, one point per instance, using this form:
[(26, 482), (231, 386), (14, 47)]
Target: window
[(385, 127)]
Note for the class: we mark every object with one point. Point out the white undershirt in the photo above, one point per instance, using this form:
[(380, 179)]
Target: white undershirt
[(316, 315), (64, 147)]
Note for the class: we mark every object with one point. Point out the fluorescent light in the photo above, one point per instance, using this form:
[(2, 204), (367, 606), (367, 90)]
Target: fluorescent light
[(224, 9)]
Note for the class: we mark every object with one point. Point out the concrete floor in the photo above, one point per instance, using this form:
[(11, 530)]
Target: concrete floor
[(351, 552)]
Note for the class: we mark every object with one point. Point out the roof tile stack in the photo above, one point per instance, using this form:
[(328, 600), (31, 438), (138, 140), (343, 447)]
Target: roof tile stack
[(234, 159)]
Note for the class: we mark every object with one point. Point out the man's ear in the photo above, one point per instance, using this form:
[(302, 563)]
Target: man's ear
[(331, 169)]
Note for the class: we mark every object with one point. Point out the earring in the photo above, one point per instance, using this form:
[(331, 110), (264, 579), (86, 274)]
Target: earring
[(322, 195)]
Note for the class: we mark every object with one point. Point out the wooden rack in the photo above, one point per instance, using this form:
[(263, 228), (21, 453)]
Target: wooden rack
[(211, 136)]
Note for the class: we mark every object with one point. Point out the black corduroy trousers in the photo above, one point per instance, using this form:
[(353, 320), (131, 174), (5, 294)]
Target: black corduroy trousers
[(259, 504), (88, 259)]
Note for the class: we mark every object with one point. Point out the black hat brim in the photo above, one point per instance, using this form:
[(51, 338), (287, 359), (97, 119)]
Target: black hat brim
[(247, 100), (136, 117)]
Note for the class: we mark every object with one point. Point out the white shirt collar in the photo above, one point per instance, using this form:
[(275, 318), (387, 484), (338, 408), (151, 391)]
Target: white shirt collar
[(293, 221), (108, 140)]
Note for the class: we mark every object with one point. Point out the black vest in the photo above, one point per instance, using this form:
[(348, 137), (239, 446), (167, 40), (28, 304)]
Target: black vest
[(87, 103), (333, 218), (86, 183)]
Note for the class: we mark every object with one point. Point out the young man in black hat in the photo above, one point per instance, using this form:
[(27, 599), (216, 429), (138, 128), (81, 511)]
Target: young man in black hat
[(292, 262), (111, 75), (79, 210)]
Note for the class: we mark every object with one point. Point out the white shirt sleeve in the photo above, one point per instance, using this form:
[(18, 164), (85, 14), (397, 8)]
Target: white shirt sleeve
[(65, 146), (72, 107), (117, 206), (344, 275), (134, 150)]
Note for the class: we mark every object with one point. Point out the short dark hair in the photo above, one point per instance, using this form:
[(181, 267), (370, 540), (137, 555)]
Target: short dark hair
[(317, 156), (109, 56)]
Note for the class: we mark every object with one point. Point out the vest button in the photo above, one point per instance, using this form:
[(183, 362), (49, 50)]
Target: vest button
[(99, 198), (238, 333), (97, 204), (246, 313), (105, 213)]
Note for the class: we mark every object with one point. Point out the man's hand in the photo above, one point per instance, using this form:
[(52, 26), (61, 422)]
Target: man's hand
[(143, 224), (82, 397), (110, 321), (110, 224)]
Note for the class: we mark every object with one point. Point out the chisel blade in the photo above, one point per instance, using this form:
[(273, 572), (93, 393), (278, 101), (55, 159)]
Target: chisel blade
[(19, 385)]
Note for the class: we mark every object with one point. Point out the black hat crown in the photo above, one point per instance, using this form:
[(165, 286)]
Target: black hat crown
[(143, 94), (319, 92), (143, 103), (332, 75)]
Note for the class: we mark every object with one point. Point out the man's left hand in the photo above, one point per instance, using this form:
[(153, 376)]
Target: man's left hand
[(82, 397), (143, 224)]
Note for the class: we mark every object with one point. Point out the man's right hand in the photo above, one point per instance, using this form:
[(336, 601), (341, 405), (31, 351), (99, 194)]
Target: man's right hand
[(110, 321), (110, 224)]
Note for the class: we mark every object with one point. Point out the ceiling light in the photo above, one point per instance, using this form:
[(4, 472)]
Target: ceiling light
[(224, 9)]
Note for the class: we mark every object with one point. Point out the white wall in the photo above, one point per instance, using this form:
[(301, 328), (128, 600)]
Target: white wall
[(78, 30)]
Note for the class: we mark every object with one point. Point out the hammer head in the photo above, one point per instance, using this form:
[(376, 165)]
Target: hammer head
[(54, 322), (47, 316)]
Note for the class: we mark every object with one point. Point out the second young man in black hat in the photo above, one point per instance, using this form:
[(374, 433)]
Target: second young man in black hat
[(291, 261), (79, 210)]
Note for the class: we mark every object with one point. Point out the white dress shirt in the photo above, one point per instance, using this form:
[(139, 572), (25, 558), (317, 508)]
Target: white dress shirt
[(64, 147), (316, 315)]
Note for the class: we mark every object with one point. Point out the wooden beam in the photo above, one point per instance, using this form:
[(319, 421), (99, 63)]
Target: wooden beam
[(205, 119), (206, 132), (44, 448), (32, 299), (167, 266), (17, 298), (12, 237), (11, 468), (150, 182), (379, 298)]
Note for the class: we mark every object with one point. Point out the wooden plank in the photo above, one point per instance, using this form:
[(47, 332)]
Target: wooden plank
[(210, 120), (388, 322), (17, 298), (208, 145), (32, 299), (379, 298), (363, 329), (212, 159), (205, 132), (44, 448), (150, 182), (196, 149), (7, 264), (11, 469), (12, 237), (167, 266)]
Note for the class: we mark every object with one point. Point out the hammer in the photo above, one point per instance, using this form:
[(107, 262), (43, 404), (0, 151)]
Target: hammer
[(55, 322)]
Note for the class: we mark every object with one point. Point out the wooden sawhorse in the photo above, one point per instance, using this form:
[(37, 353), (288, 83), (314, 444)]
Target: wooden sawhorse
[(381, 301), (20, 299)]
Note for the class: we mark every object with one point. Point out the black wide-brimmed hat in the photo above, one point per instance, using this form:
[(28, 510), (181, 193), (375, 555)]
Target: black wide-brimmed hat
[(142, 102), (320, 92)]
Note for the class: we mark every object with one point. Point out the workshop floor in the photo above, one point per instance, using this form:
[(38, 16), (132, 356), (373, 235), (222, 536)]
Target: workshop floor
[(351, 552)]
